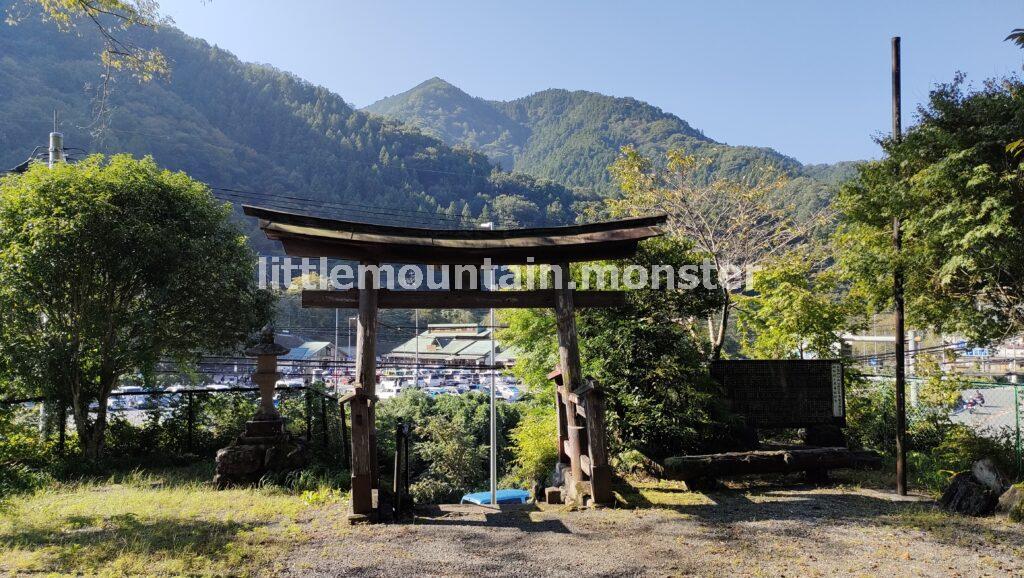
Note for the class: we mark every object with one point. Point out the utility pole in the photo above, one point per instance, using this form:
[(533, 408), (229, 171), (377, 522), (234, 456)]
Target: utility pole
[(56, 144), (898, 297)]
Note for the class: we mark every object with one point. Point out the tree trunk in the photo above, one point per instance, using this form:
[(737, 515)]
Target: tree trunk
[(91, 433), (718, 334)]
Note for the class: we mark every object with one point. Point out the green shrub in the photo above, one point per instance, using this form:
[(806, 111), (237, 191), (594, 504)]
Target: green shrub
[(25, 458), (535, 445), (937, 447), (449, 453)]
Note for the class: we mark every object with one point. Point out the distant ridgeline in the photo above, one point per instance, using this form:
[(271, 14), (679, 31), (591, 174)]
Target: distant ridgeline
[(572, 137), (267, 135)]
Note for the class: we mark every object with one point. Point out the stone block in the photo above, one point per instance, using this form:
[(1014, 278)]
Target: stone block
[(1011, 499), (987, 474), (264, 428), (553, 495), (966, 495)]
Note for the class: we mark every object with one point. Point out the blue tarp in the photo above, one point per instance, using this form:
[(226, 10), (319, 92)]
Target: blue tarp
[(504, 497)]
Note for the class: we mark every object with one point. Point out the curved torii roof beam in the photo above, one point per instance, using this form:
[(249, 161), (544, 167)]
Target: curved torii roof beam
[(309, 236)]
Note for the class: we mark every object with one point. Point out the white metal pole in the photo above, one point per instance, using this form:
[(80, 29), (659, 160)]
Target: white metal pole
[(494, 420), (416, 371), (494, 424)]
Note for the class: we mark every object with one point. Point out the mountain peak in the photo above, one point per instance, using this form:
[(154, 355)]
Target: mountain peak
[(434, 82)]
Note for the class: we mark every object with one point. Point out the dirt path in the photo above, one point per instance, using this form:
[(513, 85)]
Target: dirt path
[(760, 532)]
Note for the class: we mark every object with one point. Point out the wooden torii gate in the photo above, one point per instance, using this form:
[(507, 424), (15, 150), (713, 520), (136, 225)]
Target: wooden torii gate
[(372, 244)]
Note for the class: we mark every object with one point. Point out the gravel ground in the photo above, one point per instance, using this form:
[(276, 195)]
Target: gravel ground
[(752, 532)]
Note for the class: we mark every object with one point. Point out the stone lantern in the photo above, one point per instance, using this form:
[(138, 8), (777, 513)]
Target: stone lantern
[(265, 447), (267, 422)]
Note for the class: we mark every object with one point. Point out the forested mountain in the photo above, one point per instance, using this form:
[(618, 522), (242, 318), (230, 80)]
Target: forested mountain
[(573, 136), (256, 129)]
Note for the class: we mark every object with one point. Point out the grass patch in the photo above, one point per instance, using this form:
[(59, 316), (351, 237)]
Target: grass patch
[(170, 522), (661, 494)]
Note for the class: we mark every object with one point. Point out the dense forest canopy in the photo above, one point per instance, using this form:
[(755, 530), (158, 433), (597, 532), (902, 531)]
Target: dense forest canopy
[(249, 127), (572, 137)]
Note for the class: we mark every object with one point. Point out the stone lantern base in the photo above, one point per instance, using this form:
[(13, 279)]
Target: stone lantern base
[(264, 448)]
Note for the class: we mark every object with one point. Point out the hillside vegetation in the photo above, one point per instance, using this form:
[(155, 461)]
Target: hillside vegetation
[(573, 136), (250, 127)]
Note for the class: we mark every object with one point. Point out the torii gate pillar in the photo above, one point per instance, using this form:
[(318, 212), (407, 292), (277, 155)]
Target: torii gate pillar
[(364, 430), (586, 455)]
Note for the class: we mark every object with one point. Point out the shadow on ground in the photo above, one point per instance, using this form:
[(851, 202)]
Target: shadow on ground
[(518, 518), (99, 540)]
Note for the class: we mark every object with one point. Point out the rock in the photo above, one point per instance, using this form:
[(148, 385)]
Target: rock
[(1012, 499), (248, 459), (558, 478), (239, 460), (987, 474), (966, 495), (553, 495), (277, 458), (538, 492)]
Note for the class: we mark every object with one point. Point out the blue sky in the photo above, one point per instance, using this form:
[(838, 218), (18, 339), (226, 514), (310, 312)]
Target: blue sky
[(810, 79)]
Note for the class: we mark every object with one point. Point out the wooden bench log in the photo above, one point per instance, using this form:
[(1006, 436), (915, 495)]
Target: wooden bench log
[(768, 462)]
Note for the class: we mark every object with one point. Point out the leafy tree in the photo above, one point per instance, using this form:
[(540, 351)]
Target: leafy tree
[(959, 194), (111, 19), (1017, 37), (108, 265), (740, 225), (795, 310), (659, 399), (535, 444), (513, 212)]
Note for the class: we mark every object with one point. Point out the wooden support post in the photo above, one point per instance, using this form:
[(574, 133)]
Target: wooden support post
[(561, 435), (600, 471), (569, 359), (362, 488), (364, 435)]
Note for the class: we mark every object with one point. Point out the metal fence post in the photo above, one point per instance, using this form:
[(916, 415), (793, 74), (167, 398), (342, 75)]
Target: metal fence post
[(323, 421), (397, 482), (1016, 413), (191, 421), (309, 415), (344, 437), (407, 434)]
